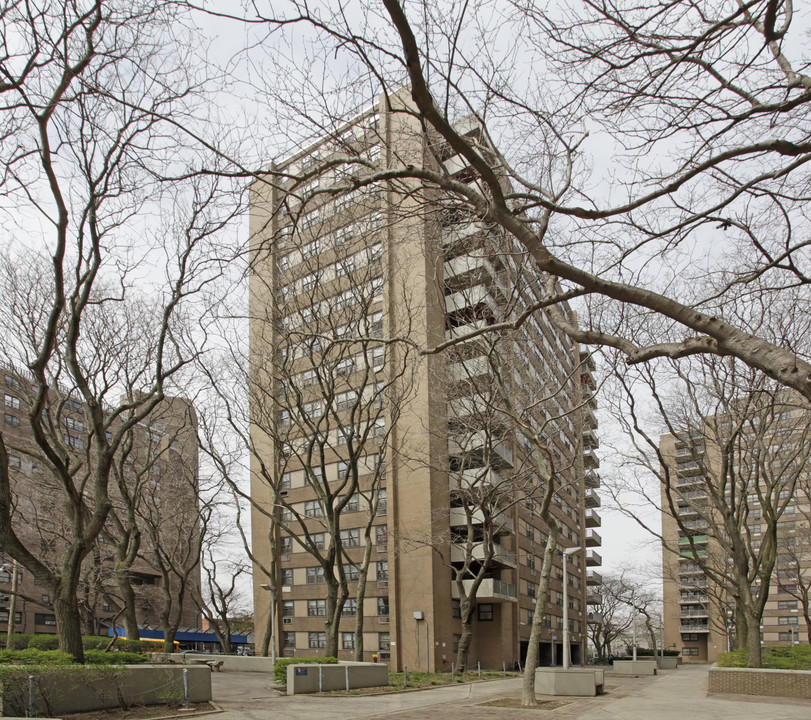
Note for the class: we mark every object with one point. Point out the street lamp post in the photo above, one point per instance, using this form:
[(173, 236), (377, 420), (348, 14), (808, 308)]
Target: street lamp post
[(566, 648), (267, 587)]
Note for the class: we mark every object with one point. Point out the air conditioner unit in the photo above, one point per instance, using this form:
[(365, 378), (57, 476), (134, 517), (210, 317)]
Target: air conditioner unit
[(285, 557), (382, 548), (384, 619), (287, 588), (283, 493), (287, 621), (382, 583)]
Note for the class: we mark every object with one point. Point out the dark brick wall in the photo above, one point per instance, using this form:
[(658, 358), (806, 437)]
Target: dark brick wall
[(749, 681)]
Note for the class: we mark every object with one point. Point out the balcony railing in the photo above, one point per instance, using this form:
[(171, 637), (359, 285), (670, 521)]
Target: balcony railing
[(694, 629), (593, 518)]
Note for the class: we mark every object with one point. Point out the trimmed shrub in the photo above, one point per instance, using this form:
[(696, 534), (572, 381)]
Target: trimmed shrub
[(19, 641), (32, 656), (44, 642), (99, 657), (774, 658), (280, 668), (95, 642)]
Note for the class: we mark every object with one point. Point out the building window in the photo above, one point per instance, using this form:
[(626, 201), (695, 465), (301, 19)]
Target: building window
[(485, 612), (350, 538), (689, 637), (383, 641), (12, 401), (348, 641), (456, 639), (288, 608), (316, 608), (317, 640), (289, 640), (351, 572), (383, 570), (46, 599), (786, 604), (11, 420), (315, 575), (456, 610), (790, 620), (285, 545), (345, 400), (313, 509), (287, 577), (286, 481), (106, 608), (317, 541), (352, 505), (18, 617), (12, 382), (383, 605), (14, 461), (689, 652), (42, 619), (381, 534), (350, 608), (531, 589)]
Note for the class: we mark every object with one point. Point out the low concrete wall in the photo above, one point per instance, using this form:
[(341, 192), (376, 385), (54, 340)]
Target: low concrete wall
[(302, 679), (238, 663), (668, 662), (634, 667), (755, 681), (82, 688), (574, 681)]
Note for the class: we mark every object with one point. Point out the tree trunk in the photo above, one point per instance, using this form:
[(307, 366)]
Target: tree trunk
[(331, 622), (753, 649), (68, 624), (466, 636), (128, 616), (265, 646)]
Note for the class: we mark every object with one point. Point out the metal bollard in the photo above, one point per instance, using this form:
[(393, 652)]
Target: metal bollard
[(453, 672), (405, 676), (186, 687), (504, 667), (32, 706), (346, 668), (479, 668), (320, 678)]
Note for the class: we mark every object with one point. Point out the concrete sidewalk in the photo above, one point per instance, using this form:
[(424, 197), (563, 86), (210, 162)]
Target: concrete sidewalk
[(672, 695)]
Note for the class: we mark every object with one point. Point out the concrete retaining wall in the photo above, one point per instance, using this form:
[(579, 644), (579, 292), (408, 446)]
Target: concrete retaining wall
[(574, 681), (302, 679), (754, 681), (238, 663), (634, 667), (69, 689), (668, 662)]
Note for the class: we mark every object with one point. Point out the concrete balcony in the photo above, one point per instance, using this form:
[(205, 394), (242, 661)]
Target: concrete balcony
[(692, 494), (469, 269), (685, 613), (589, 400), (593, 559), (592, 480), (594, 599), (590, 439), (697, 540), (589, 418), (687, 511), (490, 590), (478, 478), (692, 598), (464, 406), (592, 499), (480, 452), (695, 524), (466, 329), (501, 555), (594, 618), (470, 298), (454, 234), (593, 539), (694, 628), (587, 360), (503, 524), (688, 469), (590, 459), (693, 584), (470, 370), (593, 578), (593, 518), (693, 481)]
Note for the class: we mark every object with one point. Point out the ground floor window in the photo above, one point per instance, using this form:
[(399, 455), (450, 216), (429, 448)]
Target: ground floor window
[(689, 651), (317, 640)]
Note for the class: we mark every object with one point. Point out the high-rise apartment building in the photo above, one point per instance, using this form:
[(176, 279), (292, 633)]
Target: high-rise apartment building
[(757, 461), (160, 470), (347, 285)]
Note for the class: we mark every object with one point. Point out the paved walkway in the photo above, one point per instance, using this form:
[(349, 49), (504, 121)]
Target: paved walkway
[(672, 695)]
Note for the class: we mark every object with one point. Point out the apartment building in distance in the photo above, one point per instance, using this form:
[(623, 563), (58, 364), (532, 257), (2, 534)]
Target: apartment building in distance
[(771, 453), (162, 462), (335, 277)]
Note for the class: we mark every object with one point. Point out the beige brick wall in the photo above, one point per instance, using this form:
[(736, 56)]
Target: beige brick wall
[(750, 681)]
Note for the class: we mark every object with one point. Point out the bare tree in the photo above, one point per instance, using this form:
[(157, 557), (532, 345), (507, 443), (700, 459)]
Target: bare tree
[(729, 469), (610, 619), (219, 596), (601, 89), (86, 90)]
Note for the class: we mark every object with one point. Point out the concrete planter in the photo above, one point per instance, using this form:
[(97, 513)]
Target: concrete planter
[(757, 681), (668, 662), (584, 681), (303, 679), (236, 663), (81, 688), (634, 667)]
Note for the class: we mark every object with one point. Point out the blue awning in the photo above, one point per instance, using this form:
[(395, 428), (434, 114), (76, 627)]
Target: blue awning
[(184, 636)]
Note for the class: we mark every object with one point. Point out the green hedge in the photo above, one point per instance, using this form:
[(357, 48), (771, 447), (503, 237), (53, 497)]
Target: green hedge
[(18, 641), (99, 657), (44, 642), (33, 656), (774, 658), (280, 669)]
